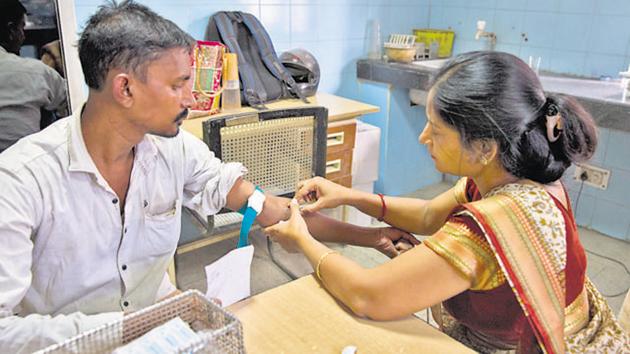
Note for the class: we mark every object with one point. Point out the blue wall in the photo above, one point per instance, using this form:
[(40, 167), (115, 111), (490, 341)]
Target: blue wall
[(404, 166), (581, 37), (607, 211), (333, 30)]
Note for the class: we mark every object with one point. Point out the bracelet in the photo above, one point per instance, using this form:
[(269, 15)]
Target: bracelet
[(383, 208), (319, 263)]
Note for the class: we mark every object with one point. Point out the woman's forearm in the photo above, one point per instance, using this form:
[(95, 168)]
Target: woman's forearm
[(409, 214), (344, 279)]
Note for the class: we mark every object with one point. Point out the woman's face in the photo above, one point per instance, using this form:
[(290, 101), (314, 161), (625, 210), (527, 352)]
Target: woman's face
[(444, 144)]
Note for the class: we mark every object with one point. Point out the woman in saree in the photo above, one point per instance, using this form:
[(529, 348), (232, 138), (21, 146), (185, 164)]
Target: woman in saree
[(504, 258)]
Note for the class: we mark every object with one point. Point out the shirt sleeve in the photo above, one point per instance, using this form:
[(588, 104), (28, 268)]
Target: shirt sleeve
[(57, 94), (208, 180), (461, 243), (34, 332), (19, 215)]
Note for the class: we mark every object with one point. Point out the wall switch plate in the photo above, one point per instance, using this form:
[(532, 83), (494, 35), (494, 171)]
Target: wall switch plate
[(595, 176)]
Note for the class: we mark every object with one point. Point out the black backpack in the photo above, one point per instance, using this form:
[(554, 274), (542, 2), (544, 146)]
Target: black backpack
[(263, 78)]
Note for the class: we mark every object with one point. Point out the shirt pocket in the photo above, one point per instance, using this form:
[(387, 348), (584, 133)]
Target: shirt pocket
[(162, 227), (163, 212)]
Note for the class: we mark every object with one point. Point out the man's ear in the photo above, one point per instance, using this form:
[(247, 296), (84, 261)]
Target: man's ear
[(121, 90), (12, 29)]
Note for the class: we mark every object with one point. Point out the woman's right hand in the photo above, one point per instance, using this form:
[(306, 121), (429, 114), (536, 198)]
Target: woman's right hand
[(323, 194)]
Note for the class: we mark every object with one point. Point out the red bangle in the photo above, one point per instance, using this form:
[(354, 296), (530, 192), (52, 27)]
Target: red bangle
[(383, 207)]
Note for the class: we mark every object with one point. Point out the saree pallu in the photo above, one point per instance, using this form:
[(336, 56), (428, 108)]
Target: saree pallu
[(526, 231)]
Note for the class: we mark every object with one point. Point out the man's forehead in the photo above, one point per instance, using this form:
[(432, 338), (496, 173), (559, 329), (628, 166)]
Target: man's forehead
[(172, 62)]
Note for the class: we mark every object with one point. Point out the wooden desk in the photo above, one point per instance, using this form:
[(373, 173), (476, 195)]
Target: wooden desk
[(339, 108), (302, 317)]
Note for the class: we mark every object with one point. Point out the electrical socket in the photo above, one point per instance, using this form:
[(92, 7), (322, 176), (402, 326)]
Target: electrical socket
[(595, 176)]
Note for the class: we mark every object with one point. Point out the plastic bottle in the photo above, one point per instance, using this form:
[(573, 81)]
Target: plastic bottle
[(434, 49), (231, 99), (374, 50)]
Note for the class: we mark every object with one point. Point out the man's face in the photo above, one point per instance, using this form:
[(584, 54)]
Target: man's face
[(162, 100)]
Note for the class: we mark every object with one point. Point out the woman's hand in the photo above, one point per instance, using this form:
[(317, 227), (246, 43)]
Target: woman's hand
[(290, 233), (324, 193), (392, 241)]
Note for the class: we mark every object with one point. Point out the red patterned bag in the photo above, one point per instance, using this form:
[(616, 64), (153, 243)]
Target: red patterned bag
[(207, 64)]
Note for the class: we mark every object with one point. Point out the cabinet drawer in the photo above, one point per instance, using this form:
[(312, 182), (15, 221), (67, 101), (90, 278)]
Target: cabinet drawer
[(345, 181), (340, 136), (338, 164)]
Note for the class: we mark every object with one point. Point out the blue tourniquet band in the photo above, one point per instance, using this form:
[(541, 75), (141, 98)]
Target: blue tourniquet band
[(249, 215)]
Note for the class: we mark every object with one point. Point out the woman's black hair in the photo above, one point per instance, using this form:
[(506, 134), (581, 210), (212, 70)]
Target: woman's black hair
[(496, 96)]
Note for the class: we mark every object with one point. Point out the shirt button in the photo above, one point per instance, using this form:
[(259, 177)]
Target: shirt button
[(146, 204), (125, 230), (115, 200), (124, 267), (126, 303)]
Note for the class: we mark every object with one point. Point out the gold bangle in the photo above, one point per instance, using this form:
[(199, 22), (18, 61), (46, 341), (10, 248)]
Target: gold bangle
[(319, 263)]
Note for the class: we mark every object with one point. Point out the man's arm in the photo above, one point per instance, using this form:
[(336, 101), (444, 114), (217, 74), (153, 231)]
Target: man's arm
[(274, 208), (322, 227), (35, 332), (57, 95)]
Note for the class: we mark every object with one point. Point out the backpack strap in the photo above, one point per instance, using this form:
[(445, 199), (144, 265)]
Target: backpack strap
[(253, 91), (268, 54)]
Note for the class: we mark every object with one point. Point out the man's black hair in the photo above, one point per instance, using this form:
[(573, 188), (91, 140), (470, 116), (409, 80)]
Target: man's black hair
[(127, 36)]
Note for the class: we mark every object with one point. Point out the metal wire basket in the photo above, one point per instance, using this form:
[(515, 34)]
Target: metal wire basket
[(219, 331)]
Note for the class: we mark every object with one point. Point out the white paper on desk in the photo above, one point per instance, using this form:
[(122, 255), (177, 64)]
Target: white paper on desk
[(228, 278)]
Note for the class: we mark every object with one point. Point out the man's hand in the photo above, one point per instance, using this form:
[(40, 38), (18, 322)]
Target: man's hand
[(275, 209), (392, 242)]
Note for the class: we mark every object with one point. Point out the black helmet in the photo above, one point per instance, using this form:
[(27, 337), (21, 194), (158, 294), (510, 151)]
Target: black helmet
[(304, 68)]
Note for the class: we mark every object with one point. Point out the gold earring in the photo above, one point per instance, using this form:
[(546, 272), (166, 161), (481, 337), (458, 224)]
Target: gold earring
[(484, 160)]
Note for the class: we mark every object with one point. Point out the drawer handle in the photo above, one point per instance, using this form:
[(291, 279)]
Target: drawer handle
[(333, 166), (335, 139)]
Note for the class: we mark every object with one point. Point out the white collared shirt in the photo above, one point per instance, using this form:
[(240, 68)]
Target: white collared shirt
[(67, 260), (28, 85)]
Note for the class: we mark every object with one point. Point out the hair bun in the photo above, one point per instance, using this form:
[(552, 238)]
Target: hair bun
[(552, 109)]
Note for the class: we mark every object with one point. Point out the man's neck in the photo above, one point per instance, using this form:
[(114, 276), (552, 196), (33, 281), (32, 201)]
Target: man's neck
[(108, 138), (9, 49)]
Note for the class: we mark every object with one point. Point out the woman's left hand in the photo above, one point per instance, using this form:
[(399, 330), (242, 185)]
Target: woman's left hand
[(290, 233), (392, 241)]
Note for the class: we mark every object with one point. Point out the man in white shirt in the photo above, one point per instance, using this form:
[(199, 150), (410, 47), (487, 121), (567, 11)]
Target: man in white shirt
[(28, 85), (90, 207)]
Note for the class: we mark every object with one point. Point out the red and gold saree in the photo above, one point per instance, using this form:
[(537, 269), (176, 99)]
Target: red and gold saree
[(520, 247)]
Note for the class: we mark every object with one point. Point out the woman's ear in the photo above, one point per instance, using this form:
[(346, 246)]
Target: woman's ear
[(490, 148), (485, 150)]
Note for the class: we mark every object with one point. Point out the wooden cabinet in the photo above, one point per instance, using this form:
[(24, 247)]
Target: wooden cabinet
[(339, 147)]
